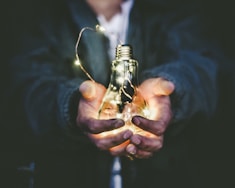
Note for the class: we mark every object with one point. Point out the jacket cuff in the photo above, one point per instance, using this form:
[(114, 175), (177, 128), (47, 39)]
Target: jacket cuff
[(176, 97), (68, 100)]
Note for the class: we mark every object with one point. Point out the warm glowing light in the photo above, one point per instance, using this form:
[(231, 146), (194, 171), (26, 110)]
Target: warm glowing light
[(120, 68), (119, 115), (100, 29), (77, 62), (131, 69), (146, 112), (122, 99), (120, 80)]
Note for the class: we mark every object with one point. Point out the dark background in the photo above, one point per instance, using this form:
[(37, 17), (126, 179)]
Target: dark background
[(218, 157)]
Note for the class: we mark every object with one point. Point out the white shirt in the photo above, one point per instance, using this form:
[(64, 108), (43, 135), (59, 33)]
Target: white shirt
[(116, 28)]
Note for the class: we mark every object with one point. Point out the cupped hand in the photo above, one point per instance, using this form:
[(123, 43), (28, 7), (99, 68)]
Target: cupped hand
[(150, 139), (98, 130)]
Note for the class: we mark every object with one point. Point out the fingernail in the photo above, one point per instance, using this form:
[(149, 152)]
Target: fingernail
[(131, 149), (127, 135), (136, 141), (118, 123), (136, 121)]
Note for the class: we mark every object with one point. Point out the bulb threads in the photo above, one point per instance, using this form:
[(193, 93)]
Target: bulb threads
[(123, 51)]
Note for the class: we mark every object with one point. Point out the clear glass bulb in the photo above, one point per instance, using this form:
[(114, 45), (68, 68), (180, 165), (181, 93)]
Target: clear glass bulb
[(122, 99)]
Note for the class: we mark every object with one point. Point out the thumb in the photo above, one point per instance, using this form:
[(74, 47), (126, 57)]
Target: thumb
[(163, 87), (88, 90)]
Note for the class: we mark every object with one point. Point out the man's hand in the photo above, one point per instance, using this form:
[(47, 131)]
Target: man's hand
[(97, 129), (156, 93)]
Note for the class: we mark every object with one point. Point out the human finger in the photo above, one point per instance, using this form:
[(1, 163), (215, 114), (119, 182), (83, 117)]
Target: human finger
[(156, 86), (111, 141), (119, 150), (134, 152), (151, 126), (96, 126), (90, 90), (163, 87), (147, 143)]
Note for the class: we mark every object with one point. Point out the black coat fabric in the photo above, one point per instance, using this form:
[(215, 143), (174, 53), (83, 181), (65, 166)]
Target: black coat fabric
[(170, 39)]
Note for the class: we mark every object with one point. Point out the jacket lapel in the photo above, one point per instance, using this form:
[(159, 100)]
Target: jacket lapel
[(93, 45)]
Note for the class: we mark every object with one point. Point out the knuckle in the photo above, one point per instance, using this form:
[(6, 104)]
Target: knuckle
[(92, 129), (100, 144), (159, 145), (161, 127)]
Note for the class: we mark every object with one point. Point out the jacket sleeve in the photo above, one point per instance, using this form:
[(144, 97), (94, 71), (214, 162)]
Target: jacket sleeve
[(189, 59), (44, 86)]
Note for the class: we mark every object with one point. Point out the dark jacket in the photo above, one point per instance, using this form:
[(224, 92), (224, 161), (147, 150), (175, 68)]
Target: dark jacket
[(169, 39)]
